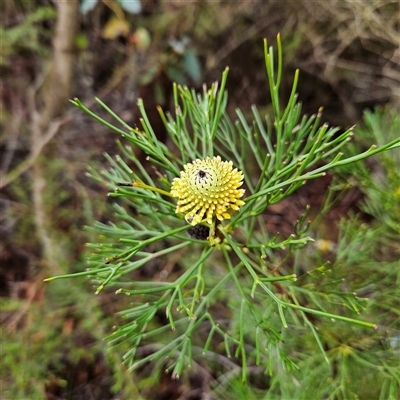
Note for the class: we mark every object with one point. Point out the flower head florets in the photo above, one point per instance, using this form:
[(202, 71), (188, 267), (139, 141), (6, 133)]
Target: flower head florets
[(208, 187)]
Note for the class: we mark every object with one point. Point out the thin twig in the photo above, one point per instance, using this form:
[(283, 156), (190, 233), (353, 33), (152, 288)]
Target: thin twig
[(37, 148), (12, 135)]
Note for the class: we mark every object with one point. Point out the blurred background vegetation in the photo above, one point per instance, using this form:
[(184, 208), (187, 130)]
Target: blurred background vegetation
[(349, 60)]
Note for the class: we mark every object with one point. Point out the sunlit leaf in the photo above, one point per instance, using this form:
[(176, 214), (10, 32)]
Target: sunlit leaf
[(142, 38), (115, 27), (82, 41)]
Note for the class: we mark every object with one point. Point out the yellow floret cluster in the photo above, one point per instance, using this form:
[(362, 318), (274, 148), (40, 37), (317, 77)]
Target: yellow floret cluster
[(206, 188)]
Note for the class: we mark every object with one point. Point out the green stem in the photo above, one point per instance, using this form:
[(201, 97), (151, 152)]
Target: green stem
[(144, 186)]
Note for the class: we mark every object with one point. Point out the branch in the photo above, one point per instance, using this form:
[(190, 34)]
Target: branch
[(36, 150)]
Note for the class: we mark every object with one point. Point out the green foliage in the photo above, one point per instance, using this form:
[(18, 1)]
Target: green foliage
[(357, 357), (241, 294), (25, 35), (47, 336), (57, 335), (45, 340), (380, 182)]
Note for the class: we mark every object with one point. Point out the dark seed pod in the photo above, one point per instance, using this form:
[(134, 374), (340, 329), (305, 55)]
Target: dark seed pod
[(199, 232)]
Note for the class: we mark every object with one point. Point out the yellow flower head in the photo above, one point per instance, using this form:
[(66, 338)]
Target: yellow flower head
[(208, 187)]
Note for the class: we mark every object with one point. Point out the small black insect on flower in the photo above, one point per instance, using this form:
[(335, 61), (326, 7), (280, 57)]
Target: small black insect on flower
[(199, 232)]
